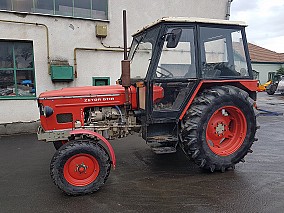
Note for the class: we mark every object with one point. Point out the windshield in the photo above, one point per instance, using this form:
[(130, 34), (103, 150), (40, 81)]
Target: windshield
[(141, 53)]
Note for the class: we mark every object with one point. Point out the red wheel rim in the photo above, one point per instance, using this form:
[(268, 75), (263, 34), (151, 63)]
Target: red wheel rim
[(81, 169), (226, 130)]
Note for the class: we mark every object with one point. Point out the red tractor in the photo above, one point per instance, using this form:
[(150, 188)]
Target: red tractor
[(191, 86)]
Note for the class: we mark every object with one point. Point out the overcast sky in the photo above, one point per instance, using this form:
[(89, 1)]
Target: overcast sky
[(265, 19)]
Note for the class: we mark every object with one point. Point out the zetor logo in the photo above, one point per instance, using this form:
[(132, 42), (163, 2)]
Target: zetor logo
[(98, 99)]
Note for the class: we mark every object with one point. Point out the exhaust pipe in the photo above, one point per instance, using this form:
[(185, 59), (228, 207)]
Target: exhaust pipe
[(125, 66)]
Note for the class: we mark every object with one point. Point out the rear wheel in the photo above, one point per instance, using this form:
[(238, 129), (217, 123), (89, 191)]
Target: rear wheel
[(80, 167), (219, 128)]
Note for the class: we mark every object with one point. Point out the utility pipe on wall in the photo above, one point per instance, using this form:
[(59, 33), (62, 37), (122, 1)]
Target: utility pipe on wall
[(228, 13), (90, 49), (36, 24)]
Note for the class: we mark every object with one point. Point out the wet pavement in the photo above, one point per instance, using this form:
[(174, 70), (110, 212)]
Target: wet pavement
[(146, 182)]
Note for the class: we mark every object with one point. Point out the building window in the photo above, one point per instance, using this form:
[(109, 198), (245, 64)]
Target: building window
[(99, 9), (64, 7), (101, 81), (5, 5), (22, 5), (16, 70), (82, 8), (95, 9), (44, 7)]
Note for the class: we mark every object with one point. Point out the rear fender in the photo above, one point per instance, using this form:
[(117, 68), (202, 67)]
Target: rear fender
[(105, 141), (250, 85)]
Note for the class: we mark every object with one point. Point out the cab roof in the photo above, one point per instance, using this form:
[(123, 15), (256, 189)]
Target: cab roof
[(192, 20)]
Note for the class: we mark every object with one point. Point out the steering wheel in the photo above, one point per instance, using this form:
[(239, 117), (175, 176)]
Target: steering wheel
[(168, 74)]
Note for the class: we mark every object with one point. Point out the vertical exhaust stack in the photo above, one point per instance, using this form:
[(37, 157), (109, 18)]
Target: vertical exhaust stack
[(125, 64)]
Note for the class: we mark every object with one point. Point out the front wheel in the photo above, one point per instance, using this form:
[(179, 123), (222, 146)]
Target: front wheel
[(219, 128), (80, 167)]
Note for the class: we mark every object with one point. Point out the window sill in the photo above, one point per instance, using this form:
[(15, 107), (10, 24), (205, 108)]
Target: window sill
[(54, 16), (17, 98)]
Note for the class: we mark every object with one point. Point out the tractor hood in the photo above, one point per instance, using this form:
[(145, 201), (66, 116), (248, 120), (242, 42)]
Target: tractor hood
[(89, 91), (93, 96), (89, 96)]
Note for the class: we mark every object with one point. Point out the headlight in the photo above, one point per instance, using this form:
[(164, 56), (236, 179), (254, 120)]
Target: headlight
[(47, 111)]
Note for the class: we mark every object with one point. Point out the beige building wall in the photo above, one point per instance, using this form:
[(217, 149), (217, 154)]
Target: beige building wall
[(264, 69), (66, 34)]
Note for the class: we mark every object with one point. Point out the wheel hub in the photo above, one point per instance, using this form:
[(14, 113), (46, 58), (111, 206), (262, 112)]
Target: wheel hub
[(220, 128), (81, 168)]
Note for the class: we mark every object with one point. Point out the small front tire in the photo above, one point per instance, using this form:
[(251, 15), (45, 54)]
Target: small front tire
[(80, 167)]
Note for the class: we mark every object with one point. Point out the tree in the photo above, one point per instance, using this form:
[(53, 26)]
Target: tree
[(280, 71)]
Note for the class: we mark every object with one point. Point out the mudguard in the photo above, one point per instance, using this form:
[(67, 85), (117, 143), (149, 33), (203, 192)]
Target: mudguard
[(88, 132)]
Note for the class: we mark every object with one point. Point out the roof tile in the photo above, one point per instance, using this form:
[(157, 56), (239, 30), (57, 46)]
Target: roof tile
[(260, 54)]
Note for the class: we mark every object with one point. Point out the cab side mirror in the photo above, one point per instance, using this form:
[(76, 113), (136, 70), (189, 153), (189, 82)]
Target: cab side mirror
[(173, 38)]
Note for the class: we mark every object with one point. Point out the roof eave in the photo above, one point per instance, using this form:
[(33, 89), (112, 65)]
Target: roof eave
[(266, 62)]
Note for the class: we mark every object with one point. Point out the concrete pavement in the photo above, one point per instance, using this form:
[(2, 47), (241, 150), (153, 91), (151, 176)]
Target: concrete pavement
[(146, 182)]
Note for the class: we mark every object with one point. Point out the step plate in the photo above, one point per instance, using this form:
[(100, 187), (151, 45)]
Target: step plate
[(164, 150)]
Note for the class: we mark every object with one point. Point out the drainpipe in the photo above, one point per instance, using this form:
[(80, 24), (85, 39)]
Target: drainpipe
[(228, 12), (35, 24), (90, 49)]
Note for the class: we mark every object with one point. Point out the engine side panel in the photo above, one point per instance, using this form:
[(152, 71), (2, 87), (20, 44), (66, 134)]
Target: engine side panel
[(70, 105), (76, 107)]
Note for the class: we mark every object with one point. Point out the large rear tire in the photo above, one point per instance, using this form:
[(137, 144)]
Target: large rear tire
[(80, 167), (219, 128)]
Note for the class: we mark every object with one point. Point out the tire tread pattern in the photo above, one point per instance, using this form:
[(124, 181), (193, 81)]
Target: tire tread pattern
[(77, 147), (191, 126)]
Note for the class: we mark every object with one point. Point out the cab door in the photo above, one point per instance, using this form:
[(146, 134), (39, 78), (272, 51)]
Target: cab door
[(175, 74)]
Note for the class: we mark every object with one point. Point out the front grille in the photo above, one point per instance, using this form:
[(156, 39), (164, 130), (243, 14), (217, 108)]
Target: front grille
[(64, 118)]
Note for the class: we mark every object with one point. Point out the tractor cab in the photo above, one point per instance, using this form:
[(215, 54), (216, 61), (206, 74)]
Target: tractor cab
[(180, 55)]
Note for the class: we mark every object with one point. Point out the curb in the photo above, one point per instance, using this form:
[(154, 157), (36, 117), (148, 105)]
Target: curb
[(19, 128)]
